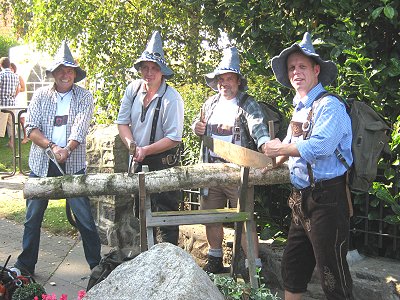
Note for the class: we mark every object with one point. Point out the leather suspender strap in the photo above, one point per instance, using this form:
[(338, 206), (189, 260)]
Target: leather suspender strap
[(155, 118), (135, 94), (307, 134)]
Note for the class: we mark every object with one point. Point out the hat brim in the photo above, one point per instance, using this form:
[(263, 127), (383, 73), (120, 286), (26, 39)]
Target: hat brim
[(328, 69), (80, 74), (212, 82), (165, 70)]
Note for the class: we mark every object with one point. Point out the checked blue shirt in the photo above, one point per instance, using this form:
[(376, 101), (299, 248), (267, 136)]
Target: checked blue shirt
[(332, 129)]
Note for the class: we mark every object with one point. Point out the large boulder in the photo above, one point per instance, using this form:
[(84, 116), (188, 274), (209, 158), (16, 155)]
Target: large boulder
[(163, 272)]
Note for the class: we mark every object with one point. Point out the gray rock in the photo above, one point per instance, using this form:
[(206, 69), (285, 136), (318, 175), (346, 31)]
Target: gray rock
[(163, 272)]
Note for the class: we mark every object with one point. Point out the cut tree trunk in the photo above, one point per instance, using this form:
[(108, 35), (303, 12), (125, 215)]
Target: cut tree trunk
[(176, 178)]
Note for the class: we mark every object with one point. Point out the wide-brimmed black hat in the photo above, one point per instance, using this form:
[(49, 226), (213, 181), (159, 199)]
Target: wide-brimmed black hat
[(64, 57), (328, 69), (154, 53)]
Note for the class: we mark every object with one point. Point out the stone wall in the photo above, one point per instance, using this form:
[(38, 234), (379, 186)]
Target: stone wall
[(113, 215)]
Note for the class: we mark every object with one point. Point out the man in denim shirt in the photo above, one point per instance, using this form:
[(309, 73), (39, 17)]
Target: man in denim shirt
[(320, 126), (58, 121), (235, 117)]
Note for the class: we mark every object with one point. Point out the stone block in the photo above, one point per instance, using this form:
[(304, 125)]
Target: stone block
[(113, 214)]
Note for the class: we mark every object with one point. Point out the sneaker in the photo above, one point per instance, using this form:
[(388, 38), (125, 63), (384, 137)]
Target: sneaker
[(214, 265)]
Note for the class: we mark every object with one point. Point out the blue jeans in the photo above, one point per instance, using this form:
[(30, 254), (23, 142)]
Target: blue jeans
[(80, 207)]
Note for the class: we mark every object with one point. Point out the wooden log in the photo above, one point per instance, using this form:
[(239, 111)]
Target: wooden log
[(176, 178)]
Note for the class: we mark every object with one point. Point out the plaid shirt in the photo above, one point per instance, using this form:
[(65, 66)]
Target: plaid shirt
[(249, 119), (41, 112), (8, 87)]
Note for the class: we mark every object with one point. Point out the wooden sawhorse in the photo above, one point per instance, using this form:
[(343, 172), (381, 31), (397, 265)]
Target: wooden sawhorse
[(242, 215)]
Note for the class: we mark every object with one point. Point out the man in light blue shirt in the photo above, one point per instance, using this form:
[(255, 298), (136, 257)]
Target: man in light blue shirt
[(319, 131), (151, 116)]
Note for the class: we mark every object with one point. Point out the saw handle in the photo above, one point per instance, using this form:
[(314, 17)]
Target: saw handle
[(271, 129), (132, 148), (202, 115)]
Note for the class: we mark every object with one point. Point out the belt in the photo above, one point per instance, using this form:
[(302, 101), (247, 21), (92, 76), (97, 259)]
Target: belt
[(168, 160), (319, 185)]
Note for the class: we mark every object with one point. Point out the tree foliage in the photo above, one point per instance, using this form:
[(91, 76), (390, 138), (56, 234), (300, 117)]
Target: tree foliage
[(362, 36), (5, 44)]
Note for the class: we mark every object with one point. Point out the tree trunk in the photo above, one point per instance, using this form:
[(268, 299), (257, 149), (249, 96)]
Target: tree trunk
[(177, 178)]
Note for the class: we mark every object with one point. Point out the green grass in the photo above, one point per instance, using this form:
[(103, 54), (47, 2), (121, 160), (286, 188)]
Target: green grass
[(12, 204), (6, 157), (54, 221)]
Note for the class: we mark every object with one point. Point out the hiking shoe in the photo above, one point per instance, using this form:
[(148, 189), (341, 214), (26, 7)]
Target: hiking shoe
[(214, 265)]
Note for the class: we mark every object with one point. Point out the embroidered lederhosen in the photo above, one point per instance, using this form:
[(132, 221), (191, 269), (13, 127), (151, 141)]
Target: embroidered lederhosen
[(298, 197)]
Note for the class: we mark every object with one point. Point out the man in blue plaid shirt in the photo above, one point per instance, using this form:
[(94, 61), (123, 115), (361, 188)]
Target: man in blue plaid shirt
[(9, 82), (320, 203)]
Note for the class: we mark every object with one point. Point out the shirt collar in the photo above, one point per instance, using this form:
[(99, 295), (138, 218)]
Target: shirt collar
[(310, 97), (53, 89), (160, 90)]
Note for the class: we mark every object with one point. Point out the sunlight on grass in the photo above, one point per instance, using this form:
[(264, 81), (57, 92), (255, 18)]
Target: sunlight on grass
[(6, 158), (55, 220)]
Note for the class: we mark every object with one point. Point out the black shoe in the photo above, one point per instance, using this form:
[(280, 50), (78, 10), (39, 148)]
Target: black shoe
[(24, 271), (214, 265)]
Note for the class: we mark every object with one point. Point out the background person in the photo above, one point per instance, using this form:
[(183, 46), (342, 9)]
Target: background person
[(19, 101), (223, 113), (8, 89), (70, 110), (319, 231), (151, 115)]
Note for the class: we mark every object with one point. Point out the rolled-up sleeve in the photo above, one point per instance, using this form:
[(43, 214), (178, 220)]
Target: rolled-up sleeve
[(256, 123)]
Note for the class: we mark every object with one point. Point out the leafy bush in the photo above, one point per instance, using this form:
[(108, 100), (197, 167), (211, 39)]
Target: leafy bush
[(233, 290), (194, 97), (28, 292), (5, 44)]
